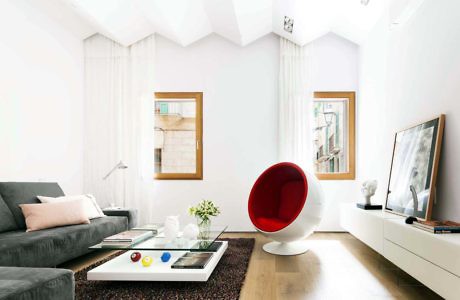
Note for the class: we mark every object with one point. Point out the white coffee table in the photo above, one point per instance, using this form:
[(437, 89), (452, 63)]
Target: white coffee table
[(121, 268)]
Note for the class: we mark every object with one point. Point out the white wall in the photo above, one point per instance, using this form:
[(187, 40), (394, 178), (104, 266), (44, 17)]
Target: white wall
[(375, 139), (240, 117), (335, 68), (41, 98), (408, 75)]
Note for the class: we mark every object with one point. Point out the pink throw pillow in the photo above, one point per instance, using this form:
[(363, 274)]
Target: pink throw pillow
[(49, 215)]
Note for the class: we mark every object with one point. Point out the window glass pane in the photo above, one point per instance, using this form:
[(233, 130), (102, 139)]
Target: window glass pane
[(175, 136), (330, 135)]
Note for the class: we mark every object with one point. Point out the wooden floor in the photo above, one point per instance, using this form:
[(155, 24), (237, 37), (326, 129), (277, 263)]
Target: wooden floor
[(338, 266)]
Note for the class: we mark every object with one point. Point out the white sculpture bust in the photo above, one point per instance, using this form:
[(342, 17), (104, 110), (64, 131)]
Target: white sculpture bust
[(368, 190)]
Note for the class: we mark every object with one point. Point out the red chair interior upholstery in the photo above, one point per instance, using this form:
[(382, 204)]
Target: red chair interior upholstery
[(277, 197)]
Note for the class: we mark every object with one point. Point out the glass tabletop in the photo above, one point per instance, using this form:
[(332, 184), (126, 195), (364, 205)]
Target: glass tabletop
[(159, 242)]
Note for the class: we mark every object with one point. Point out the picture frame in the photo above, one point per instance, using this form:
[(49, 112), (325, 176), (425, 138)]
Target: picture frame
[(414, 168)]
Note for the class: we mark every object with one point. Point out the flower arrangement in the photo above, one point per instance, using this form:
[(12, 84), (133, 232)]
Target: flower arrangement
[(203, 213), (204, 210)]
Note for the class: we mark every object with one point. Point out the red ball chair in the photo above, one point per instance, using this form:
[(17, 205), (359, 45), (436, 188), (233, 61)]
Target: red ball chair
[(286, 204)]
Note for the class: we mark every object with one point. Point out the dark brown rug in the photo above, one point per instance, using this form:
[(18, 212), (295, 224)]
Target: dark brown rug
[(224, 283)]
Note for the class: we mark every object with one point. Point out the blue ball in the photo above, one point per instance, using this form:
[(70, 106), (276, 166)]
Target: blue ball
[(166, 256)]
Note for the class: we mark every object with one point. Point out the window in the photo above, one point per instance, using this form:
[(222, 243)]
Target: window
[(178, 135), (334, 135)]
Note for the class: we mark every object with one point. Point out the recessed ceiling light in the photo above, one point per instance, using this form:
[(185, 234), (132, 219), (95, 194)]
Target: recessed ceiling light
[(288, 24)]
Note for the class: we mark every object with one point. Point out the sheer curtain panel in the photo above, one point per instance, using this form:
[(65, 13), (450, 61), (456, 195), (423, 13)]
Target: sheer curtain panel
[(119, 122), (295, 105)]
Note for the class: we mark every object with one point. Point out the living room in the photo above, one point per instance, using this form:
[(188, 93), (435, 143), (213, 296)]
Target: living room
[(298, 149)]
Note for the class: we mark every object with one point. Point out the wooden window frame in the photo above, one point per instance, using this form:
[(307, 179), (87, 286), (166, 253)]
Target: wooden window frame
[(351, 174), (198, 96)]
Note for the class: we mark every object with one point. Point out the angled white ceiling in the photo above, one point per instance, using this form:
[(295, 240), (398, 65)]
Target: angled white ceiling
[(183, 21), (240, 21)]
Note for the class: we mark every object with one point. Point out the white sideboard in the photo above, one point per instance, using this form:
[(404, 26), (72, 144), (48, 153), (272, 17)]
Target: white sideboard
[(433, 259)]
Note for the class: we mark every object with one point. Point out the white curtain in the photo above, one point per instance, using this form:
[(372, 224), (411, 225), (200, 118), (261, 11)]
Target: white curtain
[(295, 105), (119, 123)]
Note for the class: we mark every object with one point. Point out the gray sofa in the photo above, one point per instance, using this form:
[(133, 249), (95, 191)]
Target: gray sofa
[(36, 283), (45, 248)]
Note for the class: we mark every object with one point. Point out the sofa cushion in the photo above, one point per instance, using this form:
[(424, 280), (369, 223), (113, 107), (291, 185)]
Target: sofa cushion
[(49, 215), (15, 193), (51, 247), (36, 283), (92, 209), (7, 222)]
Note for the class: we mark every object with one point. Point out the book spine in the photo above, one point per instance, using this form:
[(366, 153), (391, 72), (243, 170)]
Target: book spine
[(103, 245), (436, 227), (130, 240), (446, 231), (438, 231), (420, 225), (446, 228), (142, 237), (441, 226), (425, 229)]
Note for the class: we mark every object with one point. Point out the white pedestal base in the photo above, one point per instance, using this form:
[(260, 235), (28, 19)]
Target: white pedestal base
[(292, 248)]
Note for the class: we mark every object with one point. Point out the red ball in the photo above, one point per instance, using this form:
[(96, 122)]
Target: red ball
[(135, 256)]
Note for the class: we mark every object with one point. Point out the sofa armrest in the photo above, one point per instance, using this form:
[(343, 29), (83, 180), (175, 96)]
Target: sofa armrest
[(131, 214)]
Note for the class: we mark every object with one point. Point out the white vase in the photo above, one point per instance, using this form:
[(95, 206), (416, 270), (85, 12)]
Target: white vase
[(171, 227)]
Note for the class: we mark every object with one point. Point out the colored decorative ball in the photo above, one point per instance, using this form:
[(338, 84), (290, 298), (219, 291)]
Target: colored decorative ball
[(165, 257), (147, 261), (136, 256)]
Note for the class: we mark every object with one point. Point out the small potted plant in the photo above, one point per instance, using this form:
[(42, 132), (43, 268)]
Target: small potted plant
[(203, 213)]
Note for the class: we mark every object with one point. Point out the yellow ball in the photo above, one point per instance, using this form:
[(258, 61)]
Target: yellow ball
[(147, 261)]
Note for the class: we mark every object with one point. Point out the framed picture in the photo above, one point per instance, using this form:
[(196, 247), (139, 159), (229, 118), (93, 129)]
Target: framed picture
[(334, 135), (414, 167)]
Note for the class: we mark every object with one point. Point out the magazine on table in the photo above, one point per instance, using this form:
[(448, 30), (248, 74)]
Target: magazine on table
[(192, 260)]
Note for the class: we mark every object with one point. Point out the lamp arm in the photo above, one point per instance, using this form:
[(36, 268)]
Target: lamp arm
[(110, 173)]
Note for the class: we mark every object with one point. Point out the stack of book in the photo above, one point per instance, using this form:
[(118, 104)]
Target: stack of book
[(155, 228), (438, 226), (127, 238)]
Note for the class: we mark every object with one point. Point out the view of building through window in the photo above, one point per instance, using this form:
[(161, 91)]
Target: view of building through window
[(329, 135), (177, 135), (334, 135)]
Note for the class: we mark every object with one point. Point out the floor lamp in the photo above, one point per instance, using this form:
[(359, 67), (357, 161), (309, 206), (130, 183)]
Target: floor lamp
[(119, 166)]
